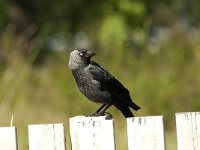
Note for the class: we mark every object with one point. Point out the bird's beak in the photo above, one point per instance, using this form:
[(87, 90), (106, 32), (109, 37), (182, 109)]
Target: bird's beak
[(90, 53)]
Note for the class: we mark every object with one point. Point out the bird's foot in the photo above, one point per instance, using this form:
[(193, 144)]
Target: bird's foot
[(95, 114), (106, 114)]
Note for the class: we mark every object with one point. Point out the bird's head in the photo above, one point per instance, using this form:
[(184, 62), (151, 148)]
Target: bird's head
[(80, 57)]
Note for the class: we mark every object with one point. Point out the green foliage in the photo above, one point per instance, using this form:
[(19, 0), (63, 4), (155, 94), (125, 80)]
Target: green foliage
[(112, 32), (134, 9)]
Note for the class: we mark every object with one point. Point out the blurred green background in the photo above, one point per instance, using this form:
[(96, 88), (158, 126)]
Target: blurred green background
[(152, 47)]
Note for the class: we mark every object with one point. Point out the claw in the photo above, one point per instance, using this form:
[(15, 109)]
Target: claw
[(106, 114)]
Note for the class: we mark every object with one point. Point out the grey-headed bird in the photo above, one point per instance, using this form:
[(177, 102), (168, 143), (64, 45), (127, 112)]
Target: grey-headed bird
[(98, 85)]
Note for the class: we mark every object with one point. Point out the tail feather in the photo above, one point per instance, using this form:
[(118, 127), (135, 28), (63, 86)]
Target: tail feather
[(134, 106), (125, 110), (126, 100)]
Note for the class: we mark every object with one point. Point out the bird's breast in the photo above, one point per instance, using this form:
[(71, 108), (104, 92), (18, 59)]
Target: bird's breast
[(90, 87)]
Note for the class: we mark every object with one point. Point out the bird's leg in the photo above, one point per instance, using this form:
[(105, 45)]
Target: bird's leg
[(104, 110), (100, 108), (97, 112)]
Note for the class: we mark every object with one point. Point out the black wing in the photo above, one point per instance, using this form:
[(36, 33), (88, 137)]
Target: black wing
[(110, 84)]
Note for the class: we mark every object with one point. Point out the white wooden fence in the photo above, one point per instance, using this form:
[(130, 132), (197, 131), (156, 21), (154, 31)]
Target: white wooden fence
[(97, 133)]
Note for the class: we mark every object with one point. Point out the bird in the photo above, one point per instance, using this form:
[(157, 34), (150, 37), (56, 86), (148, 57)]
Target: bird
[(98, 85)]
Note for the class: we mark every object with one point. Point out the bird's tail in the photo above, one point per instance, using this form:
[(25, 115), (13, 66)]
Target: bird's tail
[(134, 106), (125, 110)]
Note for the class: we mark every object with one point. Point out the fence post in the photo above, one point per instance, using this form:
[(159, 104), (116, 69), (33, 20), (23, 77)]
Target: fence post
[(188, 130), (92, 133), (47, 137), (8, 138), (146, 133)]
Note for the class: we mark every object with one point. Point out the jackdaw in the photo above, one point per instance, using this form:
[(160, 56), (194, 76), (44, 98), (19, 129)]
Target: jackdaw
[(98, 85)]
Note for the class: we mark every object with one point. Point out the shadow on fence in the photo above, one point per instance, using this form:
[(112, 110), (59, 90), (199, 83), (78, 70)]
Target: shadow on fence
[(97, 133)]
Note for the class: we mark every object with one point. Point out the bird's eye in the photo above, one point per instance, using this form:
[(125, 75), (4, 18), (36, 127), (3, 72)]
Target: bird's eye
[(81, 54)]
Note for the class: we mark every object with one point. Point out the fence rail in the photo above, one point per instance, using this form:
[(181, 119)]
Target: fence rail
[(97, 133)]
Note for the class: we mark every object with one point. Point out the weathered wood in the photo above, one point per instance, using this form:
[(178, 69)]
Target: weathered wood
[(146, 133), (8, 138), (92, 133), (47, 137), (188, 130)]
